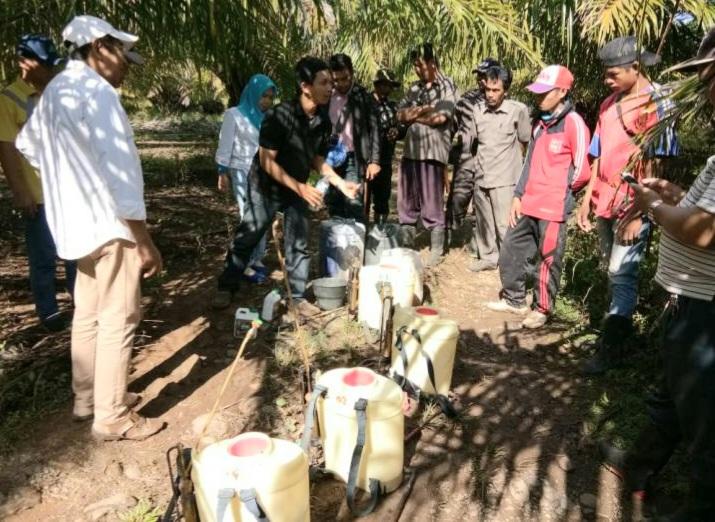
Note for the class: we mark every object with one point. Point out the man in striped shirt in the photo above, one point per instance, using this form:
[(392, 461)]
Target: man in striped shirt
[(684, 408)]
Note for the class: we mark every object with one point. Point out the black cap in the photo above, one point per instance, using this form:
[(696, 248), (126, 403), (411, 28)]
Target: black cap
[(386, 76), (486, 64), (705, 54), (39, 48), (625, 50)]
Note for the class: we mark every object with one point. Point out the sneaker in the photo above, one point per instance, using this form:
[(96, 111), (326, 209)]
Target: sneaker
[(534, 320), (481, 265), (221, 299), (142, 428), (81, 415), (502, 305)]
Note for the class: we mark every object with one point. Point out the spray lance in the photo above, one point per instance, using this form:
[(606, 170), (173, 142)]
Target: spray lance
[(384, 289)]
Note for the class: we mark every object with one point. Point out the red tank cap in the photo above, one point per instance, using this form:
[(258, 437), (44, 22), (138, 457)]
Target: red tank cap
[(358, 377), (426, 310), (248, 446)]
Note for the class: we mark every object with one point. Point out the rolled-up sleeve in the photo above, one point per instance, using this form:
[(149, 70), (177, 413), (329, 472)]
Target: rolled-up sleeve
[(113, 145), (523, 126), (28, 140)]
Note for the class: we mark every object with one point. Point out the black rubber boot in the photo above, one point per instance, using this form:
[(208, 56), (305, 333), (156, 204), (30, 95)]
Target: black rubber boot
[(407, 236), (436, 247), (609, 347)]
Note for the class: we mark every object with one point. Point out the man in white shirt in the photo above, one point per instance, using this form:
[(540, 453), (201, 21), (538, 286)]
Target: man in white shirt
[(79, 137)]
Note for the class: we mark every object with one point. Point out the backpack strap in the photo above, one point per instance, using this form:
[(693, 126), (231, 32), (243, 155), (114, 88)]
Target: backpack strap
[(318, 391), (250, 500), (374, 484)]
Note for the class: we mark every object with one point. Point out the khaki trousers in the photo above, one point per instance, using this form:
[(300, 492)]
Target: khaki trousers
[(491, 206), (107, 312)]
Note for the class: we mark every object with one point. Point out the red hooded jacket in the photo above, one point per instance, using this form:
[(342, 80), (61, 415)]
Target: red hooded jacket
[(556, 166)]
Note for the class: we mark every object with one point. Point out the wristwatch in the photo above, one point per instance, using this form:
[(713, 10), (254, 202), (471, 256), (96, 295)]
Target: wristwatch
[(651, 209)]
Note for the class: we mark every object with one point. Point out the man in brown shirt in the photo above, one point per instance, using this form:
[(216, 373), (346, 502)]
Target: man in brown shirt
[(500, 126)]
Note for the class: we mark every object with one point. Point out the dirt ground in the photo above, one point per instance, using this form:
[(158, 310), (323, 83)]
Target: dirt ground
[(519, 450)]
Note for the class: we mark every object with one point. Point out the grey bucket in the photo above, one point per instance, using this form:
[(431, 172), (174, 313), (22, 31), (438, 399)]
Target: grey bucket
[(329, 292)]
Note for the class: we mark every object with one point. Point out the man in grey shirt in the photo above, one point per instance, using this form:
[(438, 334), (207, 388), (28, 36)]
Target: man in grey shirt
[(427, 108), (500, 127)]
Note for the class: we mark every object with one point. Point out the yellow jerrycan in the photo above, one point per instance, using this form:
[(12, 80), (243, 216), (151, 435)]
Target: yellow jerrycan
[(361, 427), (408, 259), (400, 279), (251, 477), (424, 347)]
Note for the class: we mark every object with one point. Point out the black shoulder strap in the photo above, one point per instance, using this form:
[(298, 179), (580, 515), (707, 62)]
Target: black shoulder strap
[(361, 412), (250, 500), (318, 391)]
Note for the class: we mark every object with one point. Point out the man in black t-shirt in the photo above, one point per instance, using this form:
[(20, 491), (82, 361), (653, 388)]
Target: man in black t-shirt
[(390, 130), (293, 141)]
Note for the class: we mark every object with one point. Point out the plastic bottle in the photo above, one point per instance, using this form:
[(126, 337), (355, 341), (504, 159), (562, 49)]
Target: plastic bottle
[(269, 305), (242, 320), (322, 186)]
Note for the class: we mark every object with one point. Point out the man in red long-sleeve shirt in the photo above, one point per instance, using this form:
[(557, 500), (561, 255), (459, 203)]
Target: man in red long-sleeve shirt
[(556, 166)]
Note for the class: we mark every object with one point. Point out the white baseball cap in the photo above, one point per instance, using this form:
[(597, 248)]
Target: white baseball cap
[(85, 29)]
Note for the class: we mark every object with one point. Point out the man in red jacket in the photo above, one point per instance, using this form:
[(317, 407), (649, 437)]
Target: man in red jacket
[(556, 166)]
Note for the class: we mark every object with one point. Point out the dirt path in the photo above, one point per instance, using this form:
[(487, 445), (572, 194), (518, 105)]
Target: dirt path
[(518, 453)]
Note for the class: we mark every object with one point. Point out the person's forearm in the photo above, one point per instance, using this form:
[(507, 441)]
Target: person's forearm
[(327, 172), (139, 230), (11, 164), (591, 181), (278, 173), (690, 225), (433, 119)]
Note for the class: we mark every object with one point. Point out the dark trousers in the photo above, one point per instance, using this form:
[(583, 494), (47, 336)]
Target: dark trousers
[(260, 211), (532, 238), (463, 185), (420, 193), (339, 205), (42, 258), (380, 188), (683, 410)]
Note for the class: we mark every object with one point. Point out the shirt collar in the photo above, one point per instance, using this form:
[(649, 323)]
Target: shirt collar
[(486, 109), (300, 114)]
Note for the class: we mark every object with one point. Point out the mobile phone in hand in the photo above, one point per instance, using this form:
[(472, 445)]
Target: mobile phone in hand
[(628, 178)]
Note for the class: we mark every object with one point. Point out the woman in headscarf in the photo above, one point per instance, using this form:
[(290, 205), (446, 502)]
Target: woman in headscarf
[(238, 143)]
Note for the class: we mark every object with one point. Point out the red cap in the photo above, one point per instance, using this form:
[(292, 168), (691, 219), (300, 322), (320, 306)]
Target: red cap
[(552, 77)]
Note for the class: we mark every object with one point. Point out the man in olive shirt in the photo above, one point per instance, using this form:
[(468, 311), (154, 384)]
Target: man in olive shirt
[(427, 108), (500, 127), (37, 58)]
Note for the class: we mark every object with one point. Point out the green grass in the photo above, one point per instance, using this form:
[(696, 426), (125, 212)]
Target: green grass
[(28, 397), (142, 512)]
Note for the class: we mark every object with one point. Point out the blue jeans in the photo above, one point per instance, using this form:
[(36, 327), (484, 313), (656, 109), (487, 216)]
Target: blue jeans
[(623, 262), (42, 257), (260, 210), (239, 184), (339, 205)]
